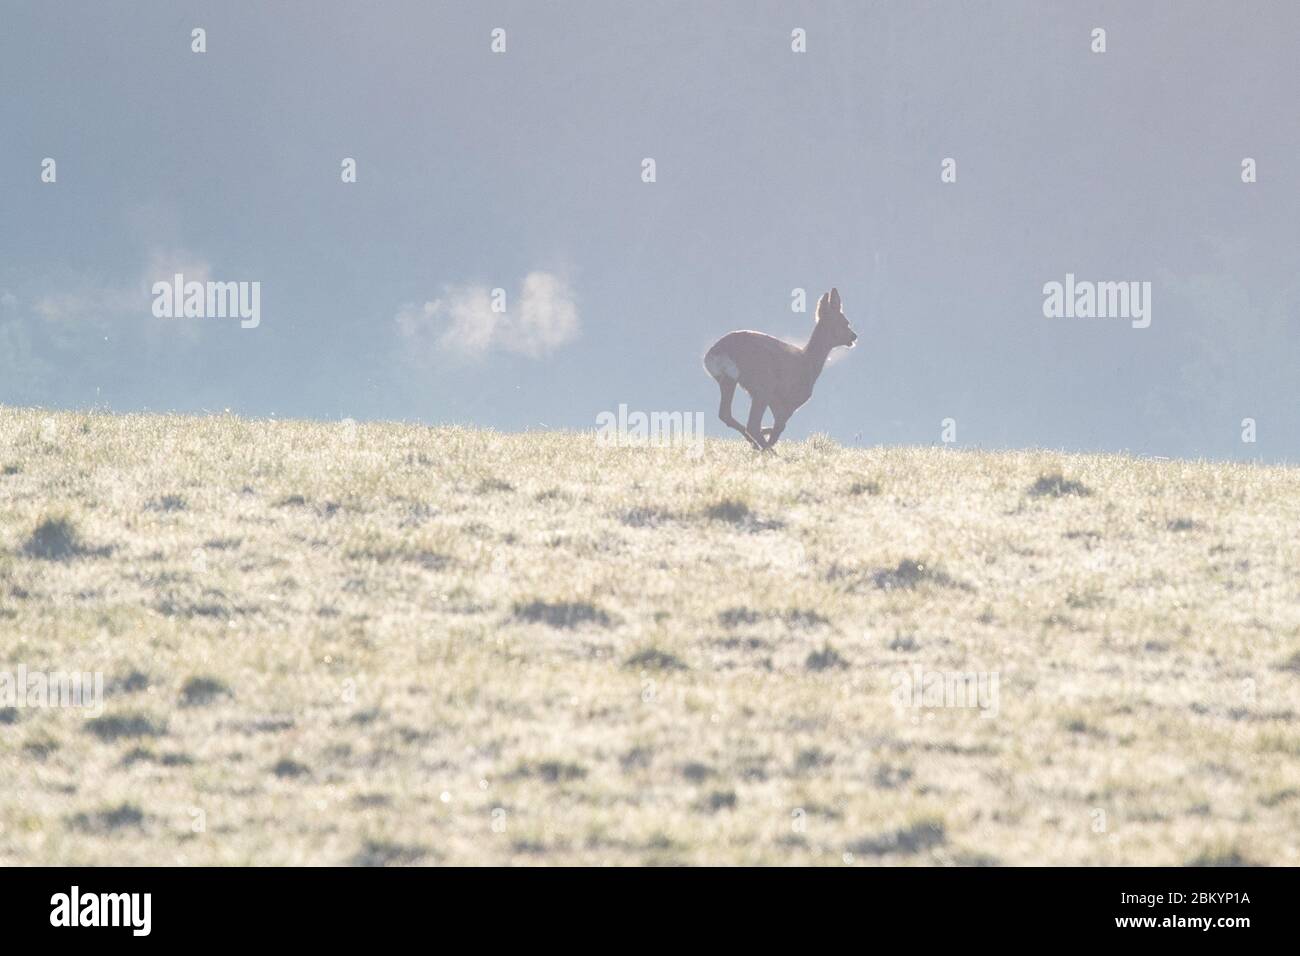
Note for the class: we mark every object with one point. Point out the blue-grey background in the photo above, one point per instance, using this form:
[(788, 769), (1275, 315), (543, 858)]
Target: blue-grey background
[(776, 170)]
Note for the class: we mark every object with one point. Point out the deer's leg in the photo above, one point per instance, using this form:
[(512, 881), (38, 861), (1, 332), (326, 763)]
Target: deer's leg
[(728, 386), (755, 427), (778, 426)]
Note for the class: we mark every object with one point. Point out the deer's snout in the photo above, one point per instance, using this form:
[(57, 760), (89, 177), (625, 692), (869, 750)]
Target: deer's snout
[(853, 337)]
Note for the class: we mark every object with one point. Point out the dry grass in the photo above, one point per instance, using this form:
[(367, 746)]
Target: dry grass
[(390, 644)]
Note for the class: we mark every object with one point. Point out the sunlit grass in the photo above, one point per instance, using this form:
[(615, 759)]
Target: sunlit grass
[(384, 643)]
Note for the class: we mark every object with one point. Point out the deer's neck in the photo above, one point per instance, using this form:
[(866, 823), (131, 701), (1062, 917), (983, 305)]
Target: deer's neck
[(815, 354)]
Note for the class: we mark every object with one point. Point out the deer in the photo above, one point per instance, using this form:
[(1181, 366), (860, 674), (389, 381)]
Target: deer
[(776, 374)]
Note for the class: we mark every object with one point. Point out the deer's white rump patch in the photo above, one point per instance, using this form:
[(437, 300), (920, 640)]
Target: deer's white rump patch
[(721, 366)]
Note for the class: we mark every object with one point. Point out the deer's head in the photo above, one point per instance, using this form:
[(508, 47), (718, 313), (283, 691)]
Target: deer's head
[(832, 322)]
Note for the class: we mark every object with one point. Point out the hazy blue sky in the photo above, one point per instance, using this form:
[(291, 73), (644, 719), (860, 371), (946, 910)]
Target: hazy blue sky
[(775, 170)]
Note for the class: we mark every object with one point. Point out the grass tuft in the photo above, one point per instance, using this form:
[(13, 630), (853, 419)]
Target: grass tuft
[(385, 853), (827, 658), (109, 820), (1056, 485), (198, 691), (915, 838), (57, 539), (656, 660), (111, 727), (562, 614), (729, 510)]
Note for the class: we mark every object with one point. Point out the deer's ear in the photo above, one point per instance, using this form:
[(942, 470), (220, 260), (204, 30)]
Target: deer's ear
[(835, 299), (823, 303)]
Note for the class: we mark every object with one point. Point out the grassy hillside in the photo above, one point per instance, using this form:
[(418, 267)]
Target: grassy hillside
[(330, 643)]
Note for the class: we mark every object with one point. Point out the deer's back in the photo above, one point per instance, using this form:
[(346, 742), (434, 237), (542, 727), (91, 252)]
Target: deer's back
[(760, 362)]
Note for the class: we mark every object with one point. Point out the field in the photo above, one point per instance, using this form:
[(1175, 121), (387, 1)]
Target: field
[(394, 644)]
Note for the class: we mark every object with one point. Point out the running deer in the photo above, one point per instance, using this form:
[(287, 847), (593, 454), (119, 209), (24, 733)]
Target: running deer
[(776, 374)]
